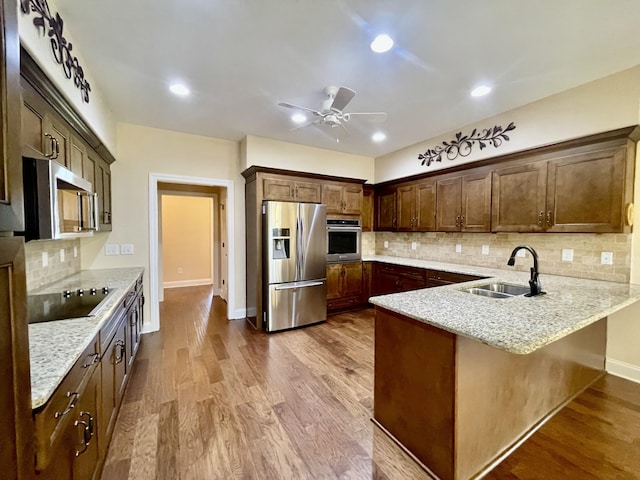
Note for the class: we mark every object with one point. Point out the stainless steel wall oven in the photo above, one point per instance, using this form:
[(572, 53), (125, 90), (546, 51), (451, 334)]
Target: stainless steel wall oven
[(343, 240)]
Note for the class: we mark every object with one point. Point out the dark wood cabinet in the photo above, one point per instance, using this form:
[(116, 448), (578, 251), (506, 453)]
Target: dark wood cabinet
[(114, 376), (416, 207), (367, 282), (344, 286), (390, 278), (367, 208), (102, 186), (342, 199), (464, 203), (77, 157), (385, 209), (286, 190), (438, 278)]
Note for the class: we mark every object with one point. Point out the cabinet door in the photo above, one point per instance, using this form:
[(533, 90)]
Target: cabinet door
[(352, 279), (57, 129), (352, 200), (386, 209), (278, 189), (86, 436), (332, 198), (519, 197), (367, 209), (77, 155), (585, 193), (102, 186), (308, 192), (448, 197), (405, 210), (16, 448), (11, 209), (367, 281), (425, 207), (33, 129), (476, 203), (334, 281), (113, 366), (134, 328)]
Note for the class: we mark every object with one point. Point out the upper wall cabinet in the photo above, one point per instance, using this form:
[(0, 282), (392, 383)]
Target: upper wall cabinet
[(385, 209), (367, 208), (464, 203), (291, 190), (579, 191), (416, 207), (11, 195), (342, 199)]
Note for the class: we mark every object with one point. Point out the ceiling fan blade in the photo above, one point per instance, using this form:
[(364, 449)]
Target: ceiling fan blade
[(370, 116), (342, 98), (305, 125), (298, 107)]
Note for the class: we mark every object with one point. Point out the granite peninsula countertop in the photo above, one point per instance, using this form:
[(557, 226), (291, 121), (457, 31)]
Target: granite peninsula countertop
[(55, 346), (518, 324)]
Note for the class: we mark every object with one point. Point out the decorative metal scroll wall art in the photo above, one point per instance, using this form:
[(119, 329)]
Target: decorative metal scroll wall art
[(59, 45), (462, 145)]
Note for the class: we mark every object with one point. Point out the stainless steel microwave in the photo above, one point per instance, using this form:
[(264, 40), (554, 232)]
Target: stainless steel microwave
[(343, 240), (58, 203)]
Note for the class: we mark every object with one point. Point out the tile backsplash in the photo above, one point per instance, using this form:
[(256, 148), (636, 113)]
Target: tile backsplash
[(586, 251), (39, 275)]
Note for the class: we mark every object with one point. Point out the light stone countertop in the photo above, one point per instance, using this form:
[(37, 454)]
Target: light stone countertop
[(518, 324), (55, 346)]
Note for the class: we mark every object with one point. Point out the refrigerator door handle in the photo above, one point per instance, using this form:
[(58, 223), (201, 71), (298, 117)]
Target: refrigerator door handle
[(299, 285)]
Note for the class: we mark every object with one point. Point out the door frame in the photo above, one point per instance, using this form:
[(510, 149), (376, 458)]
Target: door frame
[(154, 280)]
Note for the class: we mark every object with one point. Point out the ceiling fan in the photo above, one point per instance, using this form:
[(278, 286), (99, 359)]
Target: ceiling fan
[(332, 112)]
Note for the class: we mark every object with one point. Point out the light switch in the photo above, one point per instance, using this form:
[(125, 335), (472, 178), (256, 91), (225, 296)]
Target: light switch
[(179, 270), (567, 254), (458, 248), (75, 252), (110, 249), (606, 258), (485, 249), (126, 249), (386, 244), (61, 255), (45, 259), (414, 245)]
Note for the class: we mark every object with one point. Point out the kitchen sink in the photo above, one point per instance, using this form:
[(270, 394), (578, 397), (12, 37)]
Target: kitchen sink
[(499, 290)]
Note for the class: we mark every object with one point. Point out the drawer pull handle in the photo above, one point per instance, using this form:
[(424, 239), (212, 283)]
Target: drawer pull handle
[(74, 399), (87, 432), (120, 356), (95, 359)]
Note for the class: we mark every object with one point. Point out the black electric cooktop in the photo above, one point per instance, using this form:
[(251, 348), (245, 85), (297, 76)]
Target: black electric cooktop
[(68, 304)]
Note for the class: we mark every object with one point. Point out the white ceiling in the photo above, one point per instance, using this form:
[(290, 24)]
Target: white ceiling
[(242, 57)]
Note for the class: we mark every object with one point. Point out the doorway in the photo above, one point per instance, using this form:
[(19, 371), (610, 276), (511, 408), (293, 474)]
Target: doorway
[(220, 192)]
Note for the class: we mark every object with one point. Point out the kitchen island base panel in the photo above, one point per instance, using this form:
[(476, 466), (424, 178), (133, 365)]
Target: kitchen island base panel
[(459, 406)]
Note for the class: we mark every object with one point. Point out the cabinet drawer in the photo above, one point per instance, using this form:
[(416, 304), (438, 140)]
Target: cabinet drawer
[(108, 329), (436, 277), (344, 303), (52, 420)]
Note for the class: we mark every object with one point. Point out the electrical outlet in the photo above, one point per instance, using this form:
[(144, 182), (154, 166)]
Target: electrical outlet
[(75, 252), (414, 245), (126, 249), (567, 254), (485, 249), (62, 255), (521, 253), (45, 259), (180, 271), (458, 248), (386, 244), (606, 258), (111, 249)]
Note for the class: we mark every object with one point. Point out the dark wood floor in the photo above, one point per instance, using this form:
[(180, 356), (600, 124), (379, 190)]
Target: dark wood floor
[(213, 399)]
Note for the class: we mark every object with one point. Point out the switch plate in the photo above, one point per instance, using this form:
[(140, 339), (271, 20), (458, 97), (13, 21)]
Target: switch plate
[(521, 253), (45, 259), (126, 249), (75, 252), (485, 249), (606, 258), (458, 248), (414, 245), (386, 244), (111, 249), (180, 270), (567, 254), (62, 255)]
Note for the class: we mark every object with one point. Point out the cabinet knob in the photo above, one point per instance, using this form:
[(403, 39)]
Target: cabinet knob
[(462, 221), (540, 217), (549, 222), (457, 220)]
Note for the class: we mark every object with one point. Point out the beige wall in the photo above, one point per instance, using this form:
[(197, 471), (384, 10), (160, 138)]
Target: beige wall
[(290, 156), (143, 151), (96, 113), (605, 104), (187, 240)]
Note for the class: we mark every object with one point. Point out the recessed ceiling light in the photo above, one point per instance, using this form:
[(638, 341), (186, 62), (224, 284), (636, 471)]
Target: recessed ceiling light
[(378, 137), (382, 43), (480, 91), (179, 89), (298, 118)]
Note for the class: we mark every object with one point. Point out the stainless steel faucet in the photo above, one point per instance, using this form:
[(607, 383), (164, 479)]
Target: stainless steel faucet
[(534, 281)]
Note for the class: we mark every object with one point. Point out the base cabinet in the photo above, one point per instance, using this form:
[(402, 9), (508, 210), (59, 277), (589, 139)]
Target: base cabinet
[(397, 278), (344, 286)]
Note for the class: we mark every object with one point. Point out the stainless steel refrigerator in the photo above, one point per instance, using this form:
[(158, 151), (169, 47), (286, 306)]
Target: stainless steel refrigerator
[(294, 264)]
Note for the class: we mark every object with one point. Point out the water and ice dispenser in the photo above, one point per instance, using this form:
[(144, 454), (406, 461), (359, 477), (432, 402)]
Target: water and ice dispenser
[(281, 239)]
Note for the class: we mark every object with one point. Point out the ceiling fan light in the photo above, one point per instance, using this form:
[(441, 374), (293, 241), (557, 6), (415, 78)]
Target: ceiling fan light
[(378, 137), (179, 89), (298, 118), (480, 91), (382, 43)]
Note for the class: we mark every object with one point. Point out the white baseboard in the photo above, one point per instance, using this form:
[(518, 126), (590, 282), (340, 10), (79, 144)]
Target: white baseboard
[(238, 314), (217, 291), (251, 312), (187, 283), (623, 369)]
